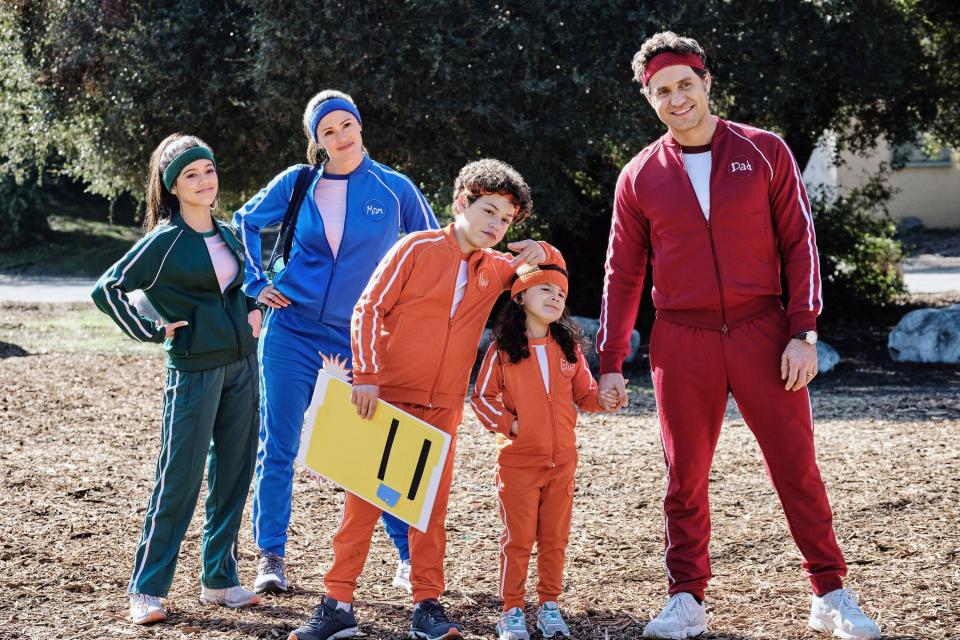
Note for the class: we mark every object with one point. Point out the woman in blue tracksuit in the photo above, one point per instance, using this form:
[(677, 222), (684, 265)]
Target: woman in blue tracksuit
[(351, 216)]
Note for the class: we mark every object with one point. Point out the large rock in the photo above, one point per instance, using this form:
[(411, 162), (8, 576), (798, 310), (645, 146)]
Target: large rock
[(589, 326), (927, 335), (827, 357)]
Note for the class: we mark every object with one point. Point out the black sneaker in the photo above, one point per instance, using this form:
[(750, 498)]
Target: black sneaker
[(327, 623), (430, 622)]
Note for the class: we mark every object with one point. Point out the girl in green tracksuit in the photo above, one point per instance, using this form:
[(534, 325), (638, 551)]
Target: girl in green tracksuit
[(189, 266)]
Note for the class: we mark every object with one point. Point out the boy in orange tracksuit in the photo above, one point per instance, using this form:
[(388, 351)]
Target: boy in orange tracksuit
[(532, 379), (415, 333)]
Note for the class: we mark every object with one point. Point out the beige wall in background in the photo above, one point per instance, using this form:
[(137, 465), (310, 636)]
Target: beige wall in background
[(928, 192)]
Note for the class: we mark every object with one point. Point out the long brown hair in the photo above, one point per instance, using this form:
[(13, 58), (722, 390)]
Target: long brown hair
[(510, 332), (315, 152), (161, 204)]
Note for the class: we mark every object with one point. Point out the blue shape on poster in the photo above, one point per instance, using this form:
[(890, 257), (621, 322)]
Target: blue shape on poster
[(388, 495)]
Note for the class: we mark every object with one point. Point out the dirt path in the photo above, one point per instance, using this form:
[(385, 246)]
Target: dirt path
[(80, 432)]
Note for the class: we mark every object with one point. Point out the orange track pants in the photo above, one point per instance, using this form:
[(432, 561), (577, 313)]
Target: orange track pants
[(535, 505), (352, 540)]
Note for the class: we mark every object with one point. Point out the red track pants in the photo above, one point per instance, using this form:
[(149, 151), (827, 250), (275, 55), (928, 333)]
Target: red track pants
[(535, 505), (694, 370), (352, 540)]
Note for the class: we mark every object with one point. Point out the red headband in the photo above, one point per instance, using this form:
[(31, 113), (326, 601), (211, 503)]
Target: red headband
[(668, 59)]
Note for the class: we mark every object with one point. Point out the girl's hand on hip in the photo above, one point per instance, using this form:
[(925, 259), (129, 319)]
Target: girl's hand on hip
[(272, 298), (364, 397), (171, 327), (255, 320), (528, 251)]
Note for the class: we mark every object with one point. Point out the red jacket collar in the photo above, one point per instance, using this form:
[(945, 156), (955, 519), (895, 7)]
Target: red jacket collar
[(669, 141)]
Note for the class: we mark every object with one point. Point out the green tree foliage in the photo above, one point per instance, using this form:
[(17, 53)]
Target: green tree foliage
[(20, 199), (938, 27), (545, 86)]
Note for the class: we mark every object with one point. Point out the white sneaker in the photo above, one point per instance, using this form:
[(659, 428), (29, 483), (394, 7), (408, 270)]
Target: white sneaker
[(683, 617), (837, 612), (512, 625), (146, 609), (550, 622), (402, 579), (231, 597), (270, 574)]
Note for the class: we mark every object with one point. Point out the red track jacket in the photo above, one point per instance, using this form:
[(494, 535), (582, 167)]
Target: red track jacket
[(710, 274)]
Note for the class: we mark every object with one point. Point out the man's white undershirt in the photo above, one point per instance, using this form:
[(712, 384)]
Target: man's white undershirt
[(698, 168)]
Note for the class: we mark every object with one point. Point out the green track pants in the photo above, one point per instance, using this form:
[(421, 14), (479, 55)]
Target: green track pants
[(208, 416)]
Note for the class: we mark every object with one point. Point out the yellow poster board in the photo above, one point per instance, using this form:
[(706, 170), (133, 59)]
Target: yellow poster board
[(393, 461)]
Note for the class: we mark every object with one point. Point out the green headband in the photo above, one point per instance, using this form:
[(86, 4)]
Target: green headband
[(183, 159)]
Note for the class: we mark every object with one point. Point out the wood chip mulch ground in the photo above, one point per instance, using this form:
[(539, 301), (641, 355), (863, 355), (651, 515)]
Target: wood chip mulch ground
[(79, 434)]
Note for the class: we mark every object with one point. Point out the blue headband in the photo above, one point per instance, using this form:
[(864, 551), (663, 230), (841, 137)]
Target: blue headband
[(327, 106)]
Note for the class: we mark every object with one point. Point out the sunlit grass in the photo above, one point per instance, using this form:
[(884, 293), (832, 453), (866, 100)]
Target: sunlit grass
[(66, 328)]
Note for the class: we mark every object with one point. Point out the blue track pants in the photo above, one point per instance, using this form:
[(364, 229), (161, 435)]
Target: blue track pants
[(289, 353)]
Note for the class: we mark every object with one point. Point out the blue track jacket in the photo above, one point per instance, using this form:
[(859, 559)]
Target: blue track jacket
[(380, 204)]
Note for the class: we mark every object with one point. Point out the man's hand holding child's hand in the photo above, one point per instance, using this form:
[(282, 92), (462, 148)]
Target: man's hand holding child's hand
[(609, 399)]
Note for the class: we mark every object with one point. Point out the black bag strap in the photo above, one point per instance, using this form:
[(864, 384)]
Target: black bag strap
[(304, 178)]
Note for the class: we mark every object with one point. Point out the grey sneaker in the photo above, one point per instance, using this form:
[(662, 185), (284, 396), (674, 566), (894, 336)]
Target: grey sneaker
[(270, 574), (146, 609), (231, 597), (838, 613), (550, 622), (512, 625), (683, 617)]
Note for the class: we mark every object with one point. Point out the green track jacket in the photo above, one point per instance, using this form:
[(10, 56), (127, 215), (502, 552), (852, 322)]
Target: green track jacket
[(172, 266)]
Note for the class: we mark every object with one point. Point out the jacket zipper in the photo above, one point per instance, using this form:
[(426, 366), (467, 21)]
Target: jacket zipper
[(446, 337), (333, 271), (713, 250), (553, 432), (223, 300)]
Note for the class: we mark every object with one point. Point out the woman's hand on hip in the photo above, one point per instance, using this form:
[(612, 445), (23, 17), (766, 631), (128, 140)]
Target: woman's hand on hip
[(171, 327), (272, 298)]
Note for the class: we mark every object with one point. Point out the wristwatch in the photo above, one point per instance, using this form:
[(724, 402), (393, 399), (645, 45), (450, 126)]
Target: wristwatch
[(810, 337)]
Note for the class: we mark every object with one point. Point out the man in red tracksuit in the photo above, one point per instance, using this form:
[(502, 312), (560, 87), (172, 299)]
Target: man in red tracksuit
[(720, 210)]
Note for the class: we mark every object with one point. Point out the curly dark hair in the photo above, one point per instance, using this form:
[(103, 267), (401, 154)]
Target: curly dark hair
[(665, 41), (510, 332), (488, 176)]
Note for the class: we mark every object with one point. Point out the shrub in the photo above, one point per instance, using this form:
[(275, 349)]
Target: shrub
[(859, 253), (23, 207)]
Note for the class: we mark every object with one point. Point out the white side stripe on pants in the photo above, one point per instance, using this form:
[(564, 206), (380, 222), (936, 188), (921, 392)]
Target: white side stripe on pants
[(163, 475)]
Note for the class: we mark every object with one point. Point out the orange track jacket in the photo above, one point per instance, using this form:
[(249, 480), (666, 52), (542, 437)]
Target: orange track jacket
[(404, 339), (545, 421)]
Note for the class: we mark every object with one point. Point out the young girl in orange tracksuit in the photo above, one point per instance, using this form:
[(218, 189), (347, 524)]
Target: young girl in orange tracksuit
[(532, 376)]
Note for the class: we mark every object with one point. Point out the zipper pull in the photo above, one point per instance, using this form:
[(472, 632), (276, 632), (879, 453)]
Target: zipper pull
[(724, 329)]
